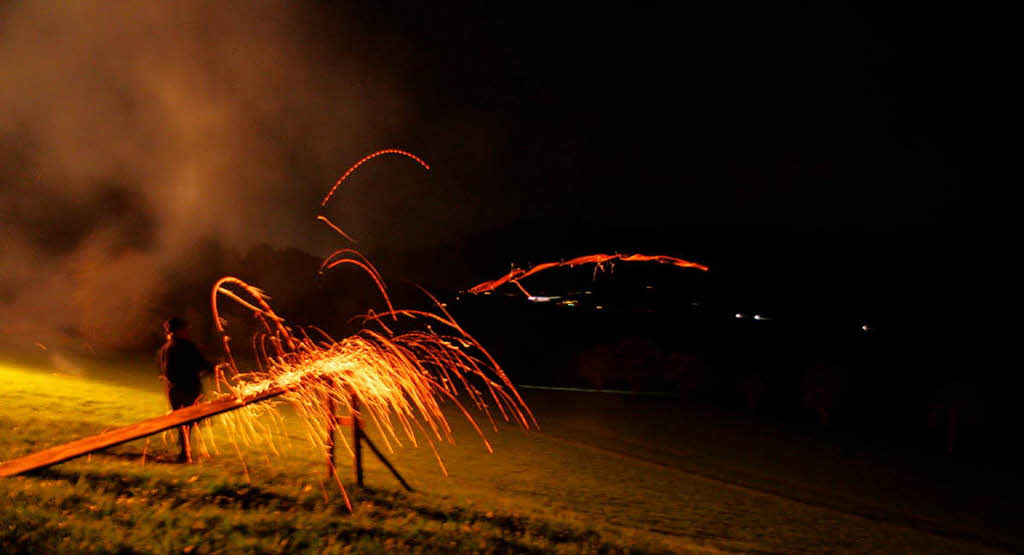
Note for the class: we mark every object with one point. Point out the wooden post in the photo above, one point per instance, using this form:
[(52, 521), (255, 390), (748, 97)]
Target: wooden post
[(332, 422), (387, 463), (358, 438), (186, 441), (357, 444)]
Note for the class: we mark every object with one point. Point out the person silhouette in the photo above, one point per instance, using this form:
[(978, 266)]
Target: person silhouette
[(181, 364)]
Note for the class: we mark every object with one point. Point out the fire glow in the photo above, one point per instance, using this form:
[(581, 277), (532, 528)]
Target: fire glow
[(397, 382)]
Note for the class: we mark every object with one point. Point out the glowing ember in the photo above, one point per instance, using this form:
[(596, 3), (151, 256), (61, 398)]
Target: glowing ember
[(518, 274), (398, 378), (396, 382), (365, 159)]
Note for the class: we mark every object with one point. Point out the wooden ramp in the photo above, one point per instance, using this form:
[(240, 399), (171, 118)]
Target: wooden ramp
[(86, 445)]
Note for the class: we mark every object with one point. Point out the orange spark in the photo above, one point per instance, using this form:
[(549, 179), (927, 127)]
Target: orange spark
[(518, 274), (330, 224), (398, 381), (365, 159)]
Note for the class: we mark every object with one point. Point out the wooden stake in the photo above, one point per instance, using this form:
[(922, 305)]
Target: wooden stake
[(386, 462), (357, 444), (186, 439), (332, 422), (358, 438)]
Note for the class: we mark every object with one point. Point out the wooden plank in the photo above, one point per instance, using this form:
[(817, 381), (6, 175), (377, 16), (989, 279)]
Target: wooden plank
[(110, 438)]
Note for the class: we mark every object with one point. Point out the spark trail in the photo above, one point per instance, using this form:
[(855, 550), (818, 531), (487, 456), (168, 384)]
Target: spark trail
[(396, 381), (365, 159), (518, 274)]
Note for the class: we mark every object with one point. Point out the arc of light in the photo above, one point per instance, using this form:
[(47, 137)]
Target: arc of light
[(263, 310), (365, 159), (336, 258), (324, 219), (518, 274)]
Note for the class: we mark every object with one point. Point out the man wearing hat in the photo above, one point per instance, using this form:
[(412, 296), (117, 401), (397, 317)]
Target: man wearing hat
[(180, 366)]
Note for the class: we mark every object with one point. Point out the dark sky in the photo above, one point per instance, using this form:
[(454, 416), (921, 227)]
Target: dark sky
[(827, 147), (655, 117)]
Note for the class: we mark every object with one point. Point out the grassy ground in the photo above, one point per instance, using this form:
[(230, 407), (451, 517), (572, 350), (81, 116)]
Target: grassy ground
[(602, 476)]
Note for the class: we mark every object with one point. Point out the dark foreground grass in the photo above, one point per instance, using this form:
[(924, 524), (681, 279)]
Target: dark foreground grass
[(538, 492), (97, 511)]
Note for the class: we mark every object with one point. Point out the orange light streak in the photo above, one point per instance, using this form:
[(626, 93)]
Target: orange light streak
[(518, 274), (400, 380), (365, 159), (324, 219)]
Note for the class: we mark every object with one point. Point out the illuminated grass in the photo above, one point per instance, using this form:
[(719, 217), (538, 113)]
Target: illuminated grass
[(538, 493), (114, 502)]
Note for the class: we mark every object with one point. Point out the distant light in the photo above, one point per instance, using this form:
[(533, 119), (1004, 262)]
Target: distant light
[(444, 304), (599, 307), (587, 293), (738, 315), (648, 287), (539, 299), (569, 303), (759, 317), (866, 327)]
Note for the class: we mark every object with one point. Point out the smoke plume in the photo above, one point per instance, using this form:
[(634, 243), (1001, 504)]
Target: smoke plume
[(132, 131)]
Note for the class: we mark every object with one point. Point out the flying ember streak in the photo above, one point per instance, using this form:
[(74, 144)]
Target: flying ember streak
[(365, 159), (395, 381), (518, 274)]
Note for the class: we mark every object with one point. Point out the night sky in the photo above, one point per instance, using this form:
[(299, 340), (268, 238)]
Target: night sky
[(646, 117), (818, 152), (811, 152)]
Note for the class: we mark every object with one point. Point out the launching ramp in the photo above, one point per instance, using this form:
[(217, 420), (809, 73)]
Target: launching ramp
[(110, 438)]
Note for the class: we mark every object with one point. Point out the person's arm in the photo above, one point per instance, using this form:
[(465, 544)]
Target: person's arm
[(201, 362), (161, 363)]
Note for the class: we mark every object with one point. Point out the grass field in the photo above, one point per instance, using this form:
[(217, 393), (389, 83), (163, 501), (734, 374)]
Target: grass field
[(605, 474)]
